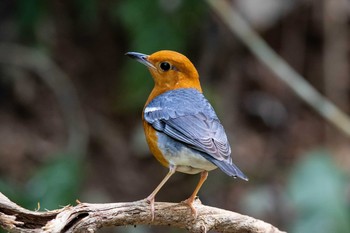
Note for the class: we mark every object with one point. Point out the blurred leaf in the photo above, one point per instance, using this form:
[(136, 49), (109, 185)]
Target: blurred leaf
[(56, 184), (153, 26), (29, 14), (259, 201), (11, 190), (53, 185), (137, 84), (317, 190), (88, 13)]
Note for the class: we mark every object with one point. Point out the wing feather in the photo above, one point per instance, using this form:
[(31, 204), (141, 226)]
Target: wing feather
[(186, 115), (203, 134)]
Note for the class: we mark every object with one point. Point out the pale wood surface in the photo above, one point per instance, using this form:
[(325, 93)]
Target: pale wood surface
[(86, 217)]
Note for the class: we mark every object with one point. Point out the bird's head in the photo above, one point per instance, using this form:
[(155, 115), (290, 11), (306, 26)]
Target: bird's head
[(170, 70)]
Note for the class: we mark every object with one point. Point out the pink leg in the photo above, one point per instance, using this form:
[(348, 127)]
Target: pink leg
[(151, 197), (189, 201)]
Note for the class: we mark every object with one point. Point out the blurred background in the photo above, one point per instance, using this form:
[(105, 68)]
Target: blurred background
[(71, 102)]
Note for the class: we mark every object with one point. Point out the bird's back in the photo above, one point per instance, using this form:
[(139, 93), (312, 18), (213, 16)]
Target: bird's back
[(186, 117)]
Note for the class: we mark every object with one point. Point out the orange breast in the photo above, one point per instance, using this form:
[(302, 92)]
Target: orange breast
[(152, 140)]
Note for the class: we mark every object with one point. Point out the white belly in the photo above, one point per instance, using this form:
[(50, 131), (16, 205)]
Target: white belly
[(185, 159)]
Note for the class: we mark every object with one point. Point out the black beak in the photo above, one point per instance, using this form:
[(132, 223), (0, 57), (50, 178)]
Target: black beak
[(140, 57)]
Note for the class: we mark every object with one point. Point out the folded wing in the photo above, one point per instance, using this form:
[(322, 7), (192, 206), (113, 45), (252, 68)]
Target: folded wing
[(186, 116)]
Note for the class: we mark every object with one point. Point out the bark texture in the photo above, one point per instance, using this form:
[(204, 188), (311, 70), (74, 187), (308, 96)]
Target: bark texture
[(86, 217)]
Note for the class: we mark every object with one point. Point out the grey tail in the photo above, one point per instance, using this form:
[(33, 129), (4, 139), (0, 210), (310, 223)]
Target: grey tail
[(229, 168)]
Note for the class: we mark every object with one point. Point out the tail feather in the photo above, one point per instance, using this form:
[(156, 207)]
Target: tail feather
[(229, 168)]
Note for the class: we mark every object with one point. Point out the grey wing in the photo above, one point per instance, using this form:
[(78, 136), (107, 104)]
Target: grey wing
[(186, 116), (205, 135), (200, 133)]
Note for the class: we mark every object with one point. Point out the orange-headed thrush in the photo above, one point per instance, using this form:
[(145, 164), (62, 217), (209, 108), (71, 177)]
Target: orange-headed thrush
[(181, 127)]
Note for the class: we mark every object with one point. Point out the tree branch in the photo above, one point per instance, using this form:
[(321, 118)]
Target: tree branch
[(86, 217), (280, 67)]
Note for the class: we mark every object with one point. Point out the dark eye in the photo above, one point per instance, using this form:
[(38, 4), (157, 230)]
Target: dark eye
[(165, 66)]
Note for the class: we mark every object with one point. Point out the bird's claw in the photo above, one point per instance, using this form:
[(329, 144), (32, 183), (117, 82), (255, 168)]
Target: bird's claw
[(190, 202), (151, 202)]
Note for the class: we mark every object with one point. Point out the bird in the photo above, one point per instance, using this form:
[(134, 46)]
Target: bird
[(181, 127)]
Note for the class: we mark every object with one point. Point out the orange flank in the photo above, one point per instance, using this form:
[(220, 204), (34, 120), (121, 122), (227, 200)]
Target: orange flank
[(165, 80), (152, 142)]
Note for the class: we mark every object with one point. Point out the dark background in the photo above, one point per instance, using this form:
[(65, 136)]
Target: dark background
[(71, 102)]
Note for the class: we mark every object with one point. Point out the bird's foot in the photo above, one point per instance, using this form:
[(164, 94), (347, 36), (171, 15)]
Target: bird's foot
[(189, 202), (150, 201)]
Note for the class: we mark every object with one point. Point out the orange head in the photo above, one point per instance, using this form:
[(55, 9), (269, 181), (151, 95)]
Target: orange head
[(170, 70)]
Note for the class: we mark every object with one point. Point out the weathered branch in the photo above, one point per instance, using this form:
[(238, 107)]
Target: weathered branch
[(86, 217)]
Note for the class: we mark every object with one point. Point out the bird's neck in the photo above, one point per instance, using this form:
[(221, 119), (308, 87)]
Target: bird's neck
[(158, 90)]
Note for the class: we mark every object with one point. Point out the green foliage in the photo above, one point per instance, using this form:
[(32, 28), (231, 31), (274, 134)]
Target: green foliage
[(149, 26), (10, 189), (57, 183), (318, 192), (53, 185), (29, 14), (153, 26), (88, 13)]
